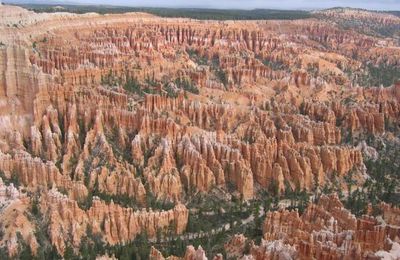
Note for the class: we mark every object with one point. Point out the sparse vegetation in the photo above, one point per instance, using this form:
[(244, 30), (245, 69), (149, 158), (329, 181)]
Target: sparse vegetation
[(171, 92), (194, 55), (222, 77), (187, 85), (110, 79), (275, 65), (14, 179), (377, 75)]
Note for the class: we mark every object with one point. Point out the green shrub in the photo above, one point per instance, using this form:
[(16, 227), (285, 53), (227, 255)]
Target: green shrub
[(187, 85)]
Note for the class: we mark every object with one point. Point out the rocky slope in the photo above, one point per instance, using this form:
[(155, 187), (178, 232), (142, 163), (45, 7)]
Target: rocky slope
[(376, 23), (326, 230)]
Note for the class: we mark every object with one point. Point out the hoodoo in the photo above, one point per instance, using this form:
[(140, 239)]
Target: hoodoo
[(135, 136)]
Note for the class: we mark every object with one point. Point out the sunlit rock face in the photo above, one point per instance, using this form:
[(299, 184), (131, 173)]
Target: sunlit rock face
[(326, 230), (145, 108)]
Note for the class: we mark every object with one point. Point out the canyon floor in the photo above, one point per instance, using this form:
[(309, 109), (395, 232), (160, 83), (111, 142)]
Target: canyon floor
[(134, 136)]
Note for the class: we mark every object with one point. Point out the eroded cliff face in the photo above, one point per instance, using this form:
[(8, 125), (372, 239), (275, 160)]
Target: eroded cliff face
[(326, 230), (16, 227), (133, 109), (113, 223), (190, 254), (67, 223)]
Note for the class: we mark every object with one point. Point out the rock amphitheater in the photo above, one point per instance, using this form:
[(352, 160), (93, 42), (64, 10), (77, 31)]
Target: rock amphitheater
[(136, 106)]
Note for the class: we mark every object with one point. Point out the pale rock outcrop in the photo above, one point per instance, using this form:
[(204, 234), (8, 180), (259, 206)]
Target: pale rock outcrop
[(114, 223)]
